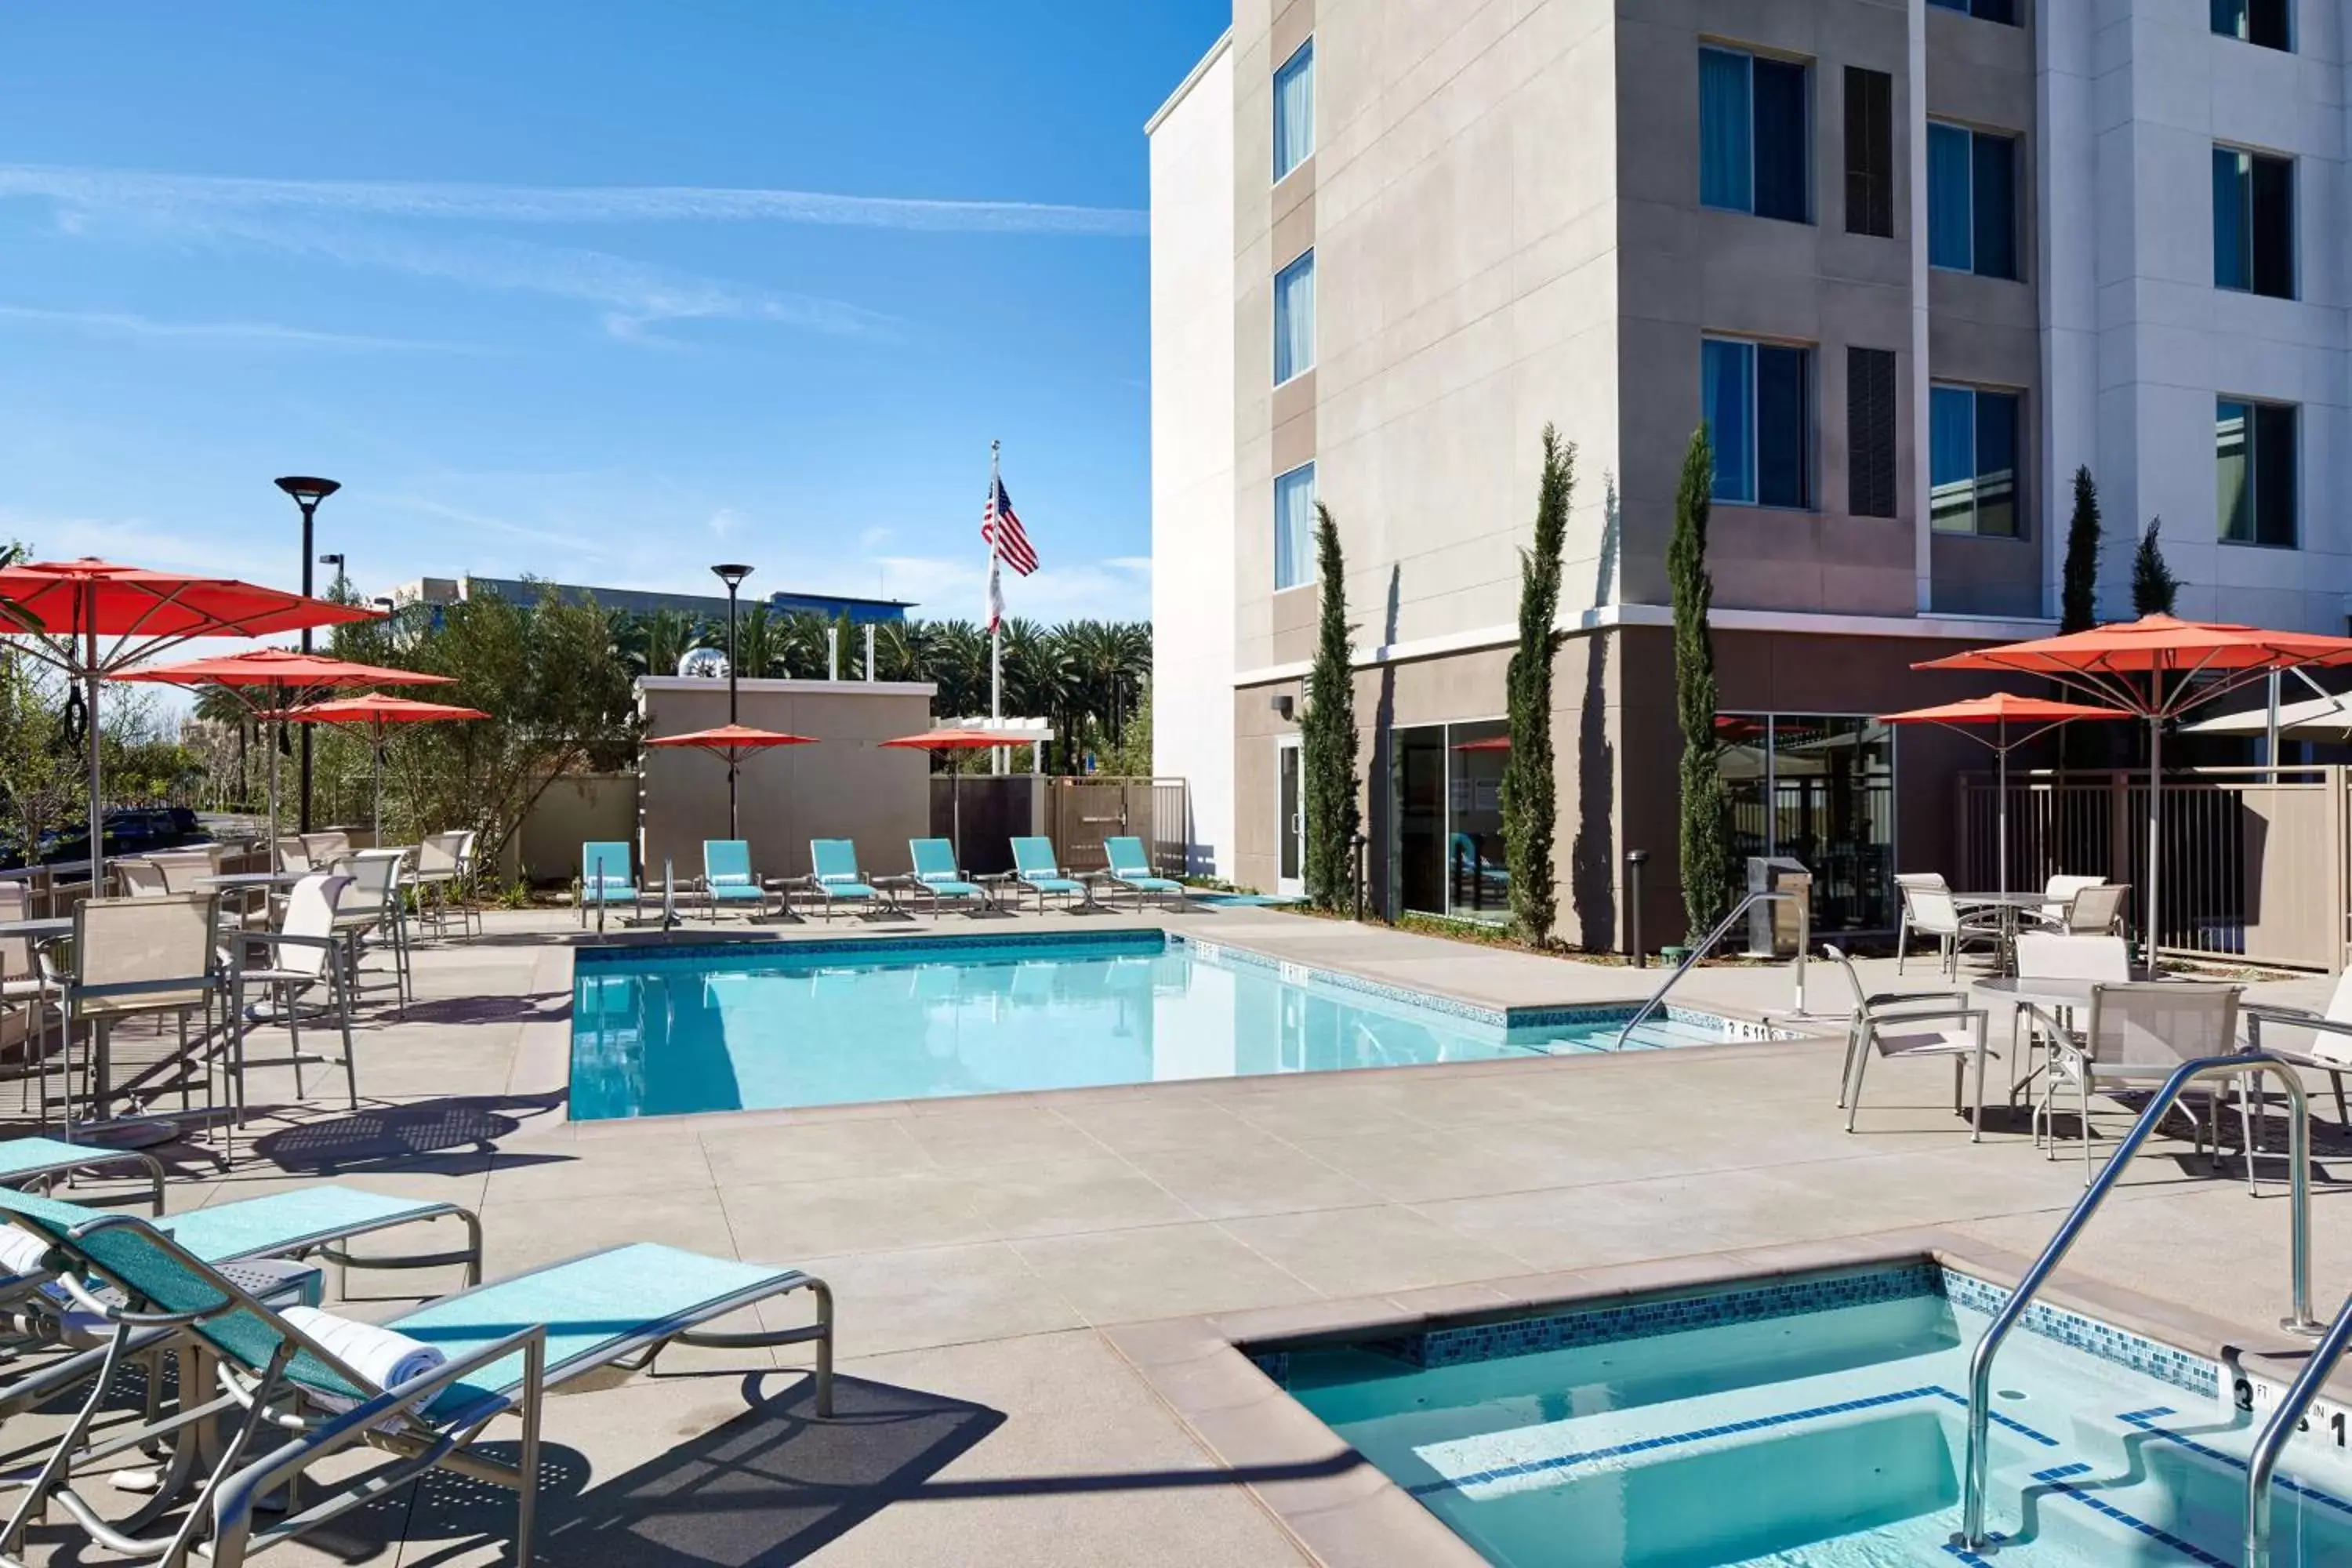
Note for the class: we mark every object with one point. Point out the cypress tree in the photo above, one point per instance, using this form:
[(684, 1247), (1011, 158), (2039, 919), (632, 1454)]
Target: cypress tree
[(1705, 812), (2078, 597), (1531, 792), (2153, 584), (1327, 732)]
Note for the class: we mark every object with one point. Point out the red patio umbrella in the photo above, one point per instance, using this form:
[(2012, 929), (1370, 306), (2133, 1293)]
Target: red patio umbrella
[(953, 740), (731, 742), (271, 681), (60, 610), (2205, 659), (2002, 708), (1491, 743), (372, 713)]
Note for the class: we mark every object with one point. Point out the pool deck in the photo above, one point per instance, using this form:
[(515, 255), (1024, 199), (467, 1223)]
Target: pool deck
[(1011, 1393)]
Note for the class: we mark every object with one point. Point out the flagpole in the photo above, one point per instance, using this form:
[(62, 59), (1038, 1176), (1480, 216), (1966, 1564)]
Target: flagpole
[(996, 618)]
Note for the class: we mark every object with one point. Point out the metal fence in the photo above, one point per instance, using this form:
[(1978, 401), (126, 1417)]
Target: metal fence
[(1080, 813), (2255, 865)]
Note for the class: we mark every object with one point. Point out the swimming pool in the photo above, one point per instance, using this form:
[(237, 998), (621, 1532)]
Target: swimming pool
[(1816, 1423), (762, 1025)]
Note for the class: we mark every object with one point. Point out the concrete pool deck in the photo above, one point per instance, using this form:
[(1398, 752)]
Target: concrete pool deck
[(997, 1261)]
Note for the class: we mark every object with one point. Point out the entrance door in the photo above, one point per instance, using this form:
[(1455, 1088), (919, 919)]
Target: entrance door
[(1290, 824)]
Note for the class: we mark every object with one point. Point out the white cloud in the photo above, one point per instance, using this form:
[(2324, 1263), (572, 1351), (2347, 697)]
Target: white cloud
[(120, 189), (726, 520), (124, 325)]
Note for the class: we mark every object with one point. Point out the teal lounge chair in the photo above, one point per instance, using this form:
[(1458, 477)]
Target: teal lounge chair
[(604, 879), (1034, 868), (505, 1344), (727, 877), (1130, 868), (937, 874), (836, 879)]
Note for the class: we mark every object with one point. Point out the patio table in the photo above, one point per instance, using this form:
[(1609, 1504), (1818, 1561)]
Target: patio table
[(2049, 994)]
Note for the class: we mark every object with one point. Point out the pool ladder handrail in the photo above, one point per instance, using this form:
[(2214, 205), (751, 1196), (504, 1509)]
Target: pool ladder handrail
[(1972, 1536), (1804, 940), (2285, 1421)]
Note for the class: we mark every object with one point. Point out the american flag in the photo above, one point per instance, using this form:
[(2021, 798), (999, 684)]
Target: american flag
[(1001, 527)]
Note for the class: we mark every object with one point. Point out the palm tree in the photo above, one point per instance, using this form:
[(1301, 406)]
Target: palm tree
[(958, 663), (757, 644), (902, 650), (652, 643), (220, 705)]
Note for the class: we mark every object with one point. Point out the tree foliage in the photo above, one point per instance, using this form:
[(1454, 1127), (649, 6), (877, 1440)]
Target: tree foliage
[(1530, 789), (2078, 597), (1705, 847), (1327, 732), (2154, 587)]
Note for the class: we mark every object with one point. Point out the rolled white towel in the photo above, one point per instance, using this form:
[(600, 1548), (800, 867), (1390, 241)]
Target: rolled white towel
[(21, 1252), (383, 1356)]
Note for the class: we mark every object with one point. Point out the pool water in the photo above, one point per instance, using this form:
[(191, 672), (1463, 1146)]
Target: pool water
[(1816, 1426), (765, 1025)]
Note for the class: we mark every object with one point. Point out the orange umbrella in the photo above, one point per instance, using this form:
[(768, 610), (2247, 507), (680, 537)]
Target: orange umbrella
[(2208, 659), (2002, 708), (270, 680), (1491, 743), (953, 740), (60, 610), (372, 713), (731, 742)]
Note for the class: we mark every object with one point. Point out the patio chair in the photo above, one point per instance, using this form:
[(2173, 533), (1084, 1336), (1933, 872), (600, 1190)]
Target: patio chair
[(1904, 882), (293, 856), (141, 877), (727, 877), (938, 875), (1931, 912), (2094, 911), (326, 848), (1130, 868), (24, 994), (2055, 955), (182, 868), (302, 959), (442, 1375), (1897, 1027), (1034, 868), (2058, 895), (133, 958), (604, 881), (2330, 1050), (2136, 1033), (373, 905), (835, 878)]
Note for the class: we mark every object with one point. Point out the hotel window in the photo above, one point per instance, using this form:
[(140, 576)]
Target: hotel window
[(1971, 200), (1871, 427), (2253, 223), (1756, 399), (1294, 110), (2003, 11), (2265, 22), (1294, 319), (2255, 449), (1294, 528), (1819, 788), (1972, 467), (1754, 154), (1869, 153)]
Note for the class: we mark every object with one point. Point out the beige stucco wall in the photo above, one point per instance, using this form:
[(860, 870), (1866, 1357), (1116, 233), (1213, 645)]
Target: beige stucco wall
[(593, 808), (847, 786)]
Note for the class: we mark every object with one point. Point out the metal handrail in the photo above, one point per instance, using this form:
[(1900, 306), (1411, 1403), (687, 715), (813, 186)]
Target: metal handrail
[(2284, 1423), (1972, 1536), (1804, 940)]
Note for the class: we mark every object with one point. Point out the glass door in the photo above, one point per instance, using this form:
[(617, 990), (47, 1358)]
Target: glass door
[(1290, 823)]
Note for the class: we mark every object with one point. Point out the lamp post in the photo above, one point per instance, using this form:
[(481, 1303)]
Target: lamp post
[(731, 573), (307, 493)]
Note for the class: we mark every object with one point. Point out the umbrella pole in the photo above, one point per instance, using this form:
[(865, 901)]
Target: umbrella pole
[(2001, 837), (2154, 815), (379, 784), (731, 833), (89, 723)]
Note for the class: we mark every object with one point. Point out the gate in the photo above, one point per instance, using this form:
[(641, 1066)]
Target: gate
[(1080, 813)]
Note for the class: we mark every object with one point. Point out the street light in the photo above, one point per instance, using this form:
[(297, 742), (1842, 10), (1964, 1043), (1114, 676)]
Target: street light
[(307, 493), (731, 573)]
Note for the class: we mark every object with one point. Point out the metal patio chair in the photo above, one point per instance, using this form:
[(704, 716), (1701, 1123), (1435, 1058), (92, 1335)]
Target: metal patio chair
[(2133, 1035), (1895, 1026)]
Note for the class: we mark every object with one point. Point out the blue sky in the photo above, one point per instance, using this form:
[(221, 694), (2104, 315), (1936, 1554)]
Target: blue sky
[(597, 292)]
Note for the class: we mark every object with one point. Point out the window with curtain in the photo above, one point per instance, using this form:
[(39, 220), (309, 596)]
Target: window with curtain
[(2003, 11), (1971, 200), (1973, 474), (2253, 223), (1294, 110), (2254, 452), (2268, 23), (1758, 401), (1294, 528), (1294, 319), (1754, 142), (1869, 153)]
